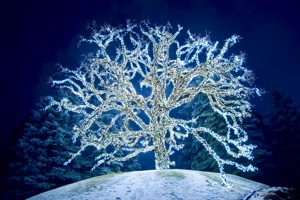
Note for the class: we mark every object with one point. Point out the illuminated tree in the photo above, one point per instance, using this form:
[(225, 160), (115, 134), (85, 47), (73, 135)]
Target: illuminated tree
[(138, 76)]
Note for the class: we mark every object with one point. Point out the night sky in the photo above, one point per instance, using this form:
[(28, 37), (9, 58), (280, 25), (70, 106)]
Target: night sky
[(35, 35)]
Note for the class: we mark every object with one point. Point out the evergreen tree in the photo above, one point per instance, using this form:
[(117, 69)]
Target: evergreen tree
[(256, 128), (283, 136), (39, 154), (194, 154), (38, 157), (196, 157)]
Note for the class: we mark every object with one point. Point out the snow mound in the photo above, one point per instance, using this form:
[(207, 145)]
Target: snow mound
[(155, 184)]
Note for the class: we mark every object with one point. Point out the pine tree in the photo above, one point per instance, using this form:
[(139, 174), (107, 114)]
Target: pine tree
[(194, 154), (283, 123), (44, 146), (39, 154), (256, 128), (196, 157)]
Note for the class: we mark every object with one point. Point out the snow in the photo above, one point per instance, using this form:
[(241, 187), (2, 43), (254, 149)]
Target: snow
[(155, 184)]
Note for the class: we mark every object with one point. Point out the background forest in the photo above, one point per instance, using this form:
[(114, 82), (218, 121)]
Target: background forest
[(37, 158)]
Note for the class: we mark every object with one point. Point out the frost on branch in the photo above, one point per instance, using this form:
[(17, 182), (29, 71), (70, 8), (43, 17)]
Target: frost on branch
[(127, 89)]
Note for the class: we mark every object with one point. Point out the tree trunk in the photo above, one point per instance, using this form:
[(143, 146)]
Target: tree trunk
[(162, 160)]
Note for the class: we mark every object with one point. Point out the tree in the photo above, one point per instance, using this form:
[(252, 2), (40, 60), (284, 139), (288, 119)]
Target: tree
[(138, 76), (37, 162), (194, 155), (283, 136), (37, 159)]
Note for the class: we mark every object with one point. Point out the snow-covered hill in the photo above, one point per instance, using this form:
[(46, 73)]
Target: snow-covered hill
[(156, 184)]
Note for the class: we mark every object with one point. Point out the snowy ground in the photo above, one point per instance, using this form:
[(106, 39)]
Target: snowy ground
[(155, 184)]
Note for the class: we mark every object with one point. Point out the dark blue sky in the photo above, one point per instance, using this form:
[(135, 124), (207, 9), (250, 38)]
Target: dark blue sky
[(37, 34)]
